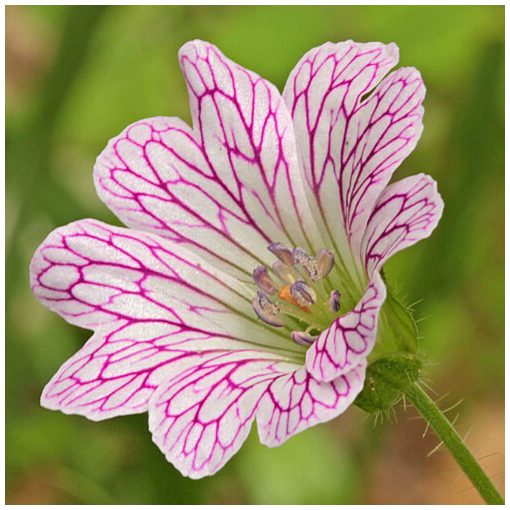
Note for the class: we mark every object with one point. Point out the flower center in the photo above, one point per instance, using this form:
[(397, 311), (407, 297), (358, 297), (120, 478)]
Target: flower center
[(296, 294)]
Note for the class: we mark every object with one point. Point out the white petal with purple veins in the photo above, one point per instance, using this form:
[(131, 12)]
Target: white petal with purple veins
[(232, 184), (180, 304), (406, 212), (296, 401), (350, 145), (116, 371), (164, 282), (201, 416), (350, 339)]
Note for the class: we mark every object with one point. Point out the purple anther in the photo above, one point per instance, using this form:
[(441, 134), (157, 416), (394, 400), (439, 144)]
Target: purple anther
[(325, 262), (308, 263), (303, 294), (266, 310), (334, 301), (263, 280), (282, 252), (302, 338)]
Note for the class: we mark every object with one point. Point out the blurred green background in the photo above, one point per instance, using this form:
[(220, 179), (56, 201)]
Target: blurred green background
[(76, 76)]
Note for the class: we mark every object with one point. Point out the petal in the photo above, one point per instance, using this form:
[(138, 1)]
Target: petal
[(350, 339), (248, 135), (388, 126), (350, 144), (297, 401), (155, 177), (204, 412), (95, 275), (117, 370), (227, 188), (406, 212)]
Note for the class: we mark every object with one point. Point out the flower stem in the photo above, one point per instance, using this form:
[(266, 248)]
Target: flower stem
[(451, 439)]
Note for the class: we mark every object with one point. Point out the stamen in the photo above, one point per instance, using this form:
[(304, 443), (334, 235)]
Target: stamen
[(263, 280), (285, 272), (310, 264), (303, 294), (282, 252), (266, 310), (325, 262), (285, 294), (334, 301), (292, 294), (303, 338)]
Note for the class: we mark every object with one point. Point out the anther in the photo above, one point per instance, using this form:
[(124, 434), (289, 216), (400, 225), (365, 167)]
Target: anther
[(289, 288), (303, 294), (266, 310), (263, 280), (282, 252), (325, 262), (334, 301), (302, 338), (310, 264)]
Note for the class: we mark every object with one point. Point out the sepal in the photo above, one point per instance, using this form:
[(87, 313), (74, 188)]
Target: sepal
[(386, 379), (399, 328), (402, 326)]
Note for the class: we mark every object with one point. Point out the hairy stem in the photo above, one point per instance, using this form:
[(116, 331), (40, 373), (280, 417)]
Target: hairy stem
[(451, 439)]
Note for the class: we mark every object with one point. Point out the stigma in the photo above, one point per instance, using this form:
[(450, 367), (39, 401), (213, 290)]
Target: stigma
[(292, 293)]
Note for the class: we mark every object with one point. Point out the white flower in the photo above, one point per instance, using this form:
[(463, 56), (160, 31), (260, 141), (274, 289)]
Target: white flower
[(247, 285)]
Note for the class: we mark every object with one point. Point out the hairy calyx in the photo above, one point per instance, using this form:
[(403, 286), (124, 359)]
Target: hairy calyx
[(294, 293)]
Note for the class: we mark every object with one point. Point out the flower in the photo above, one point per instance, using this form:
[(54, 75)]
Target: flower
[(247, 286)]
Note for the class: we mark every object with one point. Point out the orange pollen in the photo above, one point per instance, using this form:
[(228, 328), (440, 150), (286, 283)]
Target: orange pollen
[(285, 294)]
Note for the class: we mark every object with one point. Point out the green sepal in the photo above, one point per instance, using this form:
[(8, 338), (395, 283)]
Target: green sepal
[(386, 379), (399, 323)]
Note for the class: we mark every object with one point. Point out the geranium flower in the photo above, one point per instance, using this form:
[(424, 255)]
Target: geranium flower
[(247, 286)]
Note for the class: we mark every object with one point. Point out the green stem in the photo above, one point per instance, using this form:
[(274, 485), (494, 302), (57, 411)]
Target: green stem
[(451, 439)]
